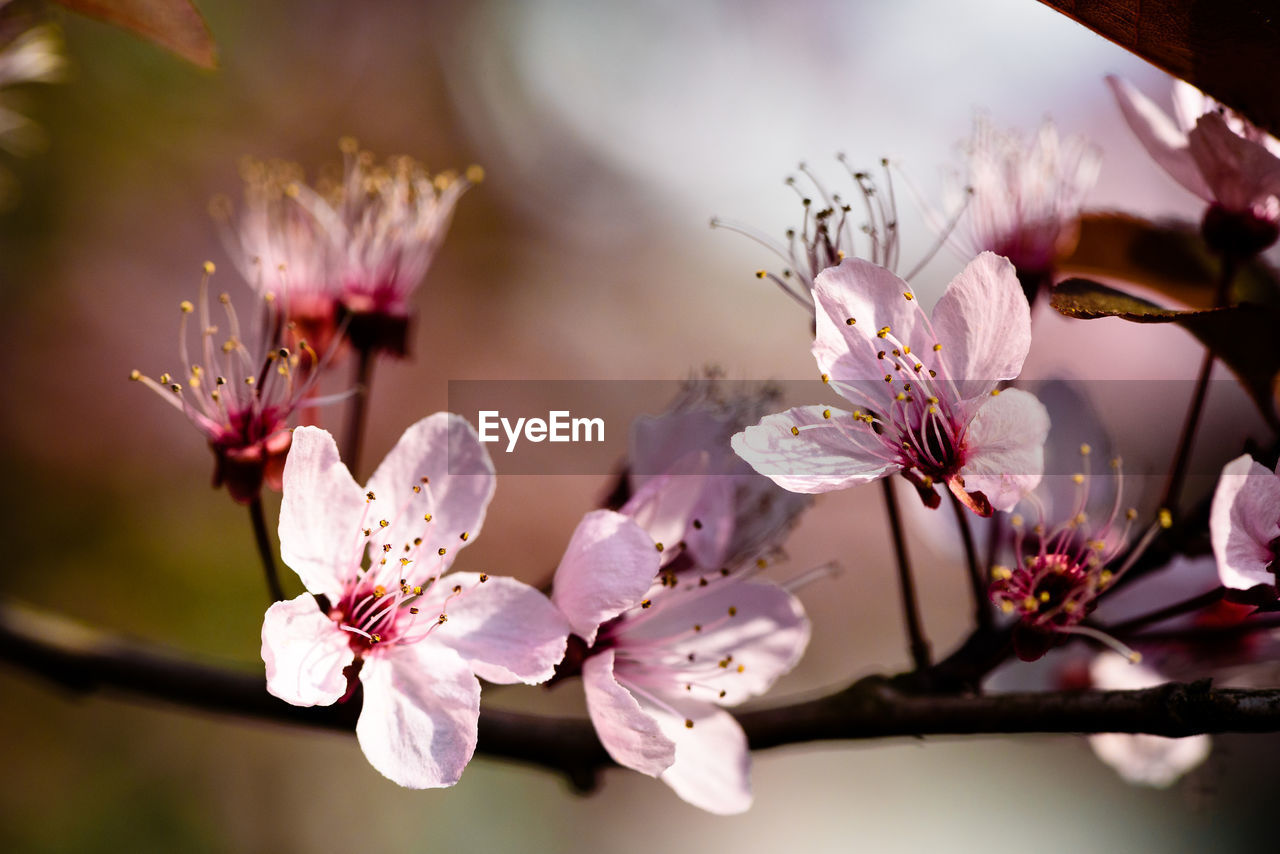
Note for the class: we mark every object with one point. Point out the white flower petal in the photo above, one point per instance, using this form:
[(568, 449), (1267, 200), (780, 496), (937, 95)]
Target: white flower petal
[(984, 325), (1005, 448), (607, 568), (630, 735), (712, 770), (821, 457), (1243, 523), (304, 652)]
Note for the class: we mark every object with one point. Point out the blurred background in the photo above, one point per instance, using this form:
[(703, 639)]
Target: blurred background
[(610, 134)]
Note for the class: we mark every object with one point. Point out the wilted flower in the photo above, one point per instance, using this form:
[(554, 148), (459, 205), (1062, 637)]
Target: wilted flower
[(929, 405), (1219, 156), (387, 221), (1145, 760), (661, 653), (280, 249), (1244, 524), (381, 612), (1056, 579), (240, 393), (1025, 197)]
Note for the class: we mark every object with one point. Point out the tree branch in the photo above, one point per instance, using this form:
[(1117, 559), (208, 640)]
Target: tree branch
[(86, 660)]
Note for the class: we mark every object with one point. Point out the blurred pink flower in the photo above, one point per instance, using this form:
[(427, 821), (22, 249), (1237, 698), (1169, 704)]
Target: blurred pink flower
[(1244, 524), (415, 638), (1145, 760), (929, 403), (1025, 197), (280, 249), (240, 394), (387, 221), (663, 652), (1216, 154)]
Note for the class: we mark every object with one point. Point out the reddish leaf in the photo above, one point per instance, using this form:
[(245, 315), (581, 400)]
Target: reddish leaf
[(1169, 257), (175, 25), (1246, 337)]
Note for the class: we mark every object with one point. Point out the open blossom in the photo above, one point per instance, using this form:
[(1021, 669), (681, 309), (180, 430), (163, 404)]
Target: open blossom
[(238, 392), (733, 514), (1244, 524), (387, 221), (413, 637), (280, 249), (1147, 760), (663, 652), (1025, 197), (926, 391), (1216, 154), (1059, 572)]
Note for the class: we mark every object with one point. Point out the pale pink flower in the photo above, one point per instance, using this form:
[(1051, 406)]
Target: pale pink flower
[(1025, 196), (1244, 524), (387, 222), (1215, 153), (733, 513), (926, 390), (414, 637), (238, 392), (1145, 760), (664, 652), (280, 249)]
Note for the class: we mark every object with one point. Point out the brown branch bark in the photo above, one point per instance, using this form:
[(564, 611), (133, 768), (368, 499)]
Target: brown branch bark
[(85, 660)]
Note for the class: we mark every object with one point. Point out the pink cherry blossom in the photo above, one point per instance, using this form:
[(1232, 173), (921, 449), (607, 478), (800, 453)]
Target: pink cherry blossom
[(414, 637), (1025, 196), (239, 392), (1059, 571), (926, 390), (387, 222), (1244, 524), (1146, 760), (1216, 154), (280, 249), (665, 652), (731, 513)]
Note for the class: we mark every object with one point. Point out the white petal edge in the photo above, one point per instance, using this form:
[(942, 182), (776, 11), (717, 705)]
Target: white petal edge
[(607, 568), (304, 652), (630, 735)]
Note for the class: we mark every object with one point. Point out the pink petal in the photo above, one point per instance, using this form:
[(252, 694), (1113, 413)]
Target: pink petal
[(320, 514), (668, 506), (765, 637), (631, 736), (1189, 104), (821, 459), (506, 630), (1240, 172), (304, 652), (421, 707), (1004, 447), (607, 568), (873, 297), (445, 449), (983, 323), (712, 770), (1159, 136), (1243, 522), (1148, 760)]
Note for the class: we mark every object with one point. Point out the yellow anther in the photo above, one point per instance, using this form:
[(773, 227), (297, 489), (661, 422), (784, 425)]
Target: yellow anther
[(1135, 657), (826, 378), (426, 517), (417, 488), (376, 638), (442, 552), (1077, 478), (413, 611), (850, 321), (348, 145), (209, 268), (135, 375), (186, 307), (443, 618), (902, 395), (658, 546), (741, 667), (1085, 450), (484, 576), (646, 603), (474, 173), (937, 348), (1030, 604), (1001, 573), (761, 563), (733, 612), (908, 295), (379, 592), (795, 431), (1006, 606), (826, 413), (1104, 577), (688, 723), (404, 561), (382, 523), (1165, 518), (883, 333), (906, 351), (995, 392), (1044, 595), (463, 536), (1080, 518), (1069, 607), (370, 496), (760, 274), (417, 590)]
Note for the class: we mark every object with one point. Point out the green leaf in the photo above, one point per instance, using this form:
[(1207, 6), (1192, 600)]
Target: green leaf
[(1246, 337), (1167, 257), (175, 25)]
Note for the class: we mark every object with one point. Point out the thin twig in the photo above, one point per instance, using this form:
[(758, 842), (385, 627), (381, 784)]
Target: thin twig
[(359, 407), (981, 606), (910, 609), (266, 551)]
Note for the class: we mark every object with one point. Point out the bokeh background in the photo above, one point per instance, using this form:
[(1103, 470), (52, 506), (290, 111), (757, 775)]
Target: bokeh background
[(610, 134)]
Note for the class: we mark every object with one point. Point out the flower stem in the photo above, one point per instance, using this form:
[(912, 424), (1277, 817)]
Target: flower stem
[(359, 405), (1195, 603), (1178, 473), (981, 607), (915, 630), (265, 550)]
